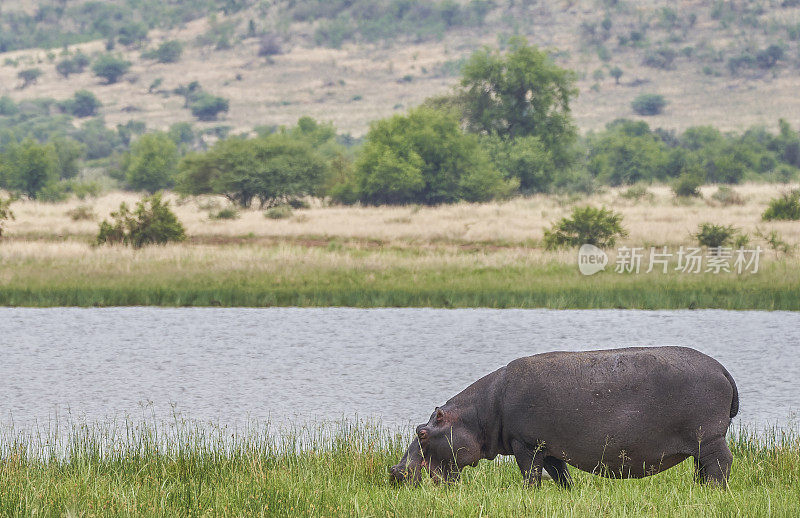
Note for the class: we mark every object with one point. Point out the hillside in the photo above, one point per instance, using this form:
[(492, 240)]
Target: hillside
[(715, 62)]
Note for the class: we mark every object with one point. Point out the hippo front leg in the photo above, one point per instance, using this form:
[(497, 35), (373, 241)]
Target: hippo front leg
[(530, 460)]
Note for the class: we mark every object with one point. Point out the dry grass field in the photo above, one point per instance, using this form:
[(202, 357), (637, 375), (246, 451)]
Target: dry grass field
[(657, 219), (360, 83)]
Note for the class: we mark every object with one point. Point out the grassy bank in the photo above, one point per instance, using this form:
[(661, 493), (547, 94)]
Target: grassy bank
[(75, 274), (341, 471), (463, 255)]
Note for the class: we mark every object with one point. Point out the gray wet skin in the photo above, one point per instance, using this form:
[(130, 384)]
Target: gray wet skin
[(625, 413)]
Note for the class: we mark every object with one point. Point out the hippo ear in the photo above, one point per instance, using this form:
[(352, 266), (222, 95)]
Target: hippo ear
[(439, 415)]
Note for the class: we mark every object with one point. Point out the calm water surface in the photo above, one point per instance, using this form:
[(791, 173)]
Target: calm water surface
[(292, 365)]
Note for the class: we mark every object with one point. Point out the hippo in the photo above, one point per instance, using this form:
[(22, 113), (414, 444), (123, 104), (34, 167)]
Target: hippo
[(624, 413)]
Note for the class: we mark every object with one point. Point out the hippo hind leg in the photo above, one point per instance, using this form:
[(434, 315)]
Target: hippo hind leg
[(558, 471), (530, 460), (713, 462)]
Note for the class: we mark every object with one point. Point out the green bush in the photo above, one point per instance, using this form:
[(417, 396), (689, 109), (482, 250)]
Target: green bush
[(785, 207), (662, 58), (110, 67), (167, 52), (152, 222), (279, 212), (29, 76), (207, 107), (637, 192), (649, 104), (715, 236), (224, 213), (74, 65), (8, 106), (132, 34), (587, 225), (83, 104), (29, 168), (687, 185)]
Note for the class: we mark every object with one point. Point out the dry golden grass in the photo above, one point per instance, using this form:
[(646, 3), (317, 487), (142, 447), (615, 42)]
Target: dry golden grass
[(323, 82), (662, 220)]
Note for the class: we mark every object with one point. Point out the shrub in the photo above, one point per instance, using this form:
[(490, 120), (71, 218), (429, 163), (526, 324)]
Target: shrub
[(727, 196), (110, 67), (81, 213), (29, 76), (776, 241), (587, 225), (207, 107), (637, 192), (785, 207), (687, 185), (167, 52), (5, 212), (29, 167), (74, 65), (662, 58), (279, 212), (224, 213), (8, 106), (649, 104), (616, 73), (270, 45), (83, 104), (152, 222), (715, 236)]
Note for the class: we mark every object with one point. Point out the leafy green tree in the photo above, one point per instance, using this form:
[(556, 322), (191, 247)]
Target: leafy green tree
[(207, 107), (272, 169), (525, 159), (132, 34), (616, 73), (424, 157), (520, 93), (8, 106), (29, 76), (83, 104), (152, 162), (626, 153), (30, 167), (167, 52), (68, 155), (152, 222), (110, 67), (649, 104)]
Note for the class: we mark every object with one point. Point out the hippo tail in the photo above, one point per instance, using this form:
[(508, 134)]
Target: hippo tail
[(735, 401)]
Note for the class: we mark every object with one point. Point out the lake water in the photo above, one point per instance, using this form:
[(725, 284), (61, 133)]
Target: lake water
[(290, 365)]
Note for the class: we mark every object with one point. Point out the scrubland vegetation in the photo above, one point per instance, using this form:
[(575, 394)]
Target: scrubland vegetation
[(183, 469)]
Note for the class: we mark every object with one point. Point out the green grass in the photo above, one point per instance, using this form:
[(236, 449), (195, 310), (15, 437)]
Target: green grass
[(341, 276), (181, 470)]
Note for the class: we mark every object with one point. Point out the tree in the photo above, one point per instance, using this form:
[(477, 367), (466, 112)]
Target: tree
[(152, 162), (207, 107), (424, 157), (616, 73), (167, 52), (152, 222), (29, 76), (649, 104), (30, 167), (520, 93), (132, 34), (110, 67), (272, 169), (83, 104), (68, 154)]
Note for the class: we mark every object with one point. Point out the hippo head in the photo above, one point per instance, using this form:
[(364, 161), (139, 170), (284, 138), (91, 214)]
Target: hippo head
[(443, 446)]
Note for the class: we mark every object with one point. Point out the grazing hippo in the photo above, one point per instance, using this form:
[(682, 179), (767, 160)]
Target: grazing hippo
[(618, 413)]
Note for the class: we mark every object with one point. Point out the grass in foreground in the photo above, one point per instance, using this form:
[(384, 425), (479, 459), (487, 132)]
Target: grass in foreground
[(341, 471)]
